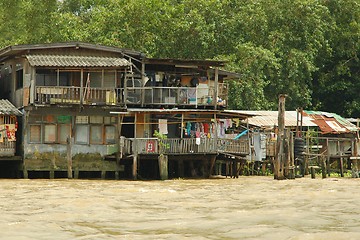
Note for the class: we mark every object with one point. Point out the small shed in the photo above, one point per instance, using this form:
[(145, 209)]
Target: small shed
[(8, 128)]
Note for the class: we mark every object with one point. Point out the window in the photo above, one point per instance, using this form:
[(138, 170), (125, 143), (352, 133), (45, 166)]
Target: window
[(82, 119), (35, 133), (82, 134), (64, 131), (96, 119), (110, 134), (19, 78), (96, 134), (50, 133)]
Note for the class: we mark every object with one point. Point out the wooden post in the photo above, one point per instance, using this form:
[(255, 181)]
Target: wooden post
[(216, 87), (323, 166), (212, 163), (312, 172), (263, 168), (142, 83), (279, 155), (81, 86), (103, 174), (341, 166), (288, 167), (134, 167), (354, 160), (181, 168), (25, 172), (163, 166), (135, 150), (69, 157), (327, 157)]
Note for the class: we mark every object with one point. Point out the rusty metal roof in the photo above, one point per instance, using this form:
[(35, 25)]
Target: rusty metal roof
[(6, 108), (75, 61), (331, 122)]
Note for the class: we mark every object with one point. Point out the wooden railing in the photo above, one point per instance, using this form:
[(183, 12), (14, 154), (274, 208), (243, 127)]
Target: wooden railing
[(77, 95), (192, 96), (132, 95), (7, 148), (189, 146), (233, 146)]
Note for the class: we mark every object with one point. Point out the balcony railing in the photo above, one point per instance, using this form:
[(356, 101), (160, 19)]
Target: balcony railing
[(189, 146), (7, 148), (183, 96), (77, 95)]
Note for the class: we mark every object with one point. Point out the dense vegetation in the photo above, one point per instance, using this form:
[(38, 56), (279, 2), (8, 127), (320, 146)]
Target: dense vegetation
[(308, 49)]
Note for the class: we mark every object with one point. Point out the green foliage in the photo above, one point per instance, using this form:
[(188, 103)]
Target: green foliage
[(162, 144), (307, 49)]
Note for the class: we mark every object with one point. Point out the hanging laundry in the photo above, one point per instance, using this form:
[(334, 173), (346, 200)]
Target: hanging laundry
[(206, 128), (198, 139), (188, 128), (163, 129), (237, 121)]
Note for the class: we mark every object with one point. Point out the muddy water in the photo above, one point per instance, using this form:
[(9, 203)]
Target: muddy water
[(244, 208)]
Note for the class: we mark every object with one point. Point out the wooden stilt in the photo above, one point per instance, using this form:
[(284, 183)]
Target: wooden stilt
[(69, 157), (181, 168), (354, 168), (212, 163), (279, 155), (263, 168), (226, 169), (134, 167), (25, 173), (354, 160), (192, 169), (323, 166), (341, 167), (312, 172), (163, 167)]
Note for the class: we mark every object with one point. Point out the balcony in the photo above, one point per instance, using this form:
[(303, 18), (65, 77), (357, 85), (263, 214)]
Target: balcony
[(144, 96), (7, 148), (189, 146), (77, 95)]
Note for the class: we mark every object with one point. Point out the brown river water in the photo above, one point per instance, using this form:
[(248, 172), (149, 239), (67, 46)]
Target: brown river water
[(243, 208)]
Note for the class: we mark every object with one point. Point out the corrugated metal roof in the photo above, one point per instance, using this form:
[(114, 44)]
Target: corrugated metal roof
[(21, 49), (6, 108), (268, 119), (331, 122), (76, 61)]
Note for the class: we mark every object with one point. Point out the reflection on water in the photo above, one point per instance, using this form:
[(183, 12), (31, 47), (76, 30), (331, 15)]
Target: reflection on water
[(244, 208)]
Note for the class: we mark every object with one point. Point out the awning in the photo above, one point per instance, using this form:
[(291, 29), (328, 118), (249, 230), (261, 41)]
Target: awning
[(6, 108), (75, 61)]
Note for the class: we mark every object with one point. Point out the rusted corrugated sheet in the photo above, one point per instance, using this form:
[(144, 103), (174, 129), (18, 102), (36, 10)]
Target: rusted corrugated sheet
[(331, 122), (75, 61), (6, 108)]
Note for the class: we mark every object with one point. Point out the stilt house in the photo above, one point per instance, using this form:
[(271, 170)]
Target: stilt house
[(92, 110)]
